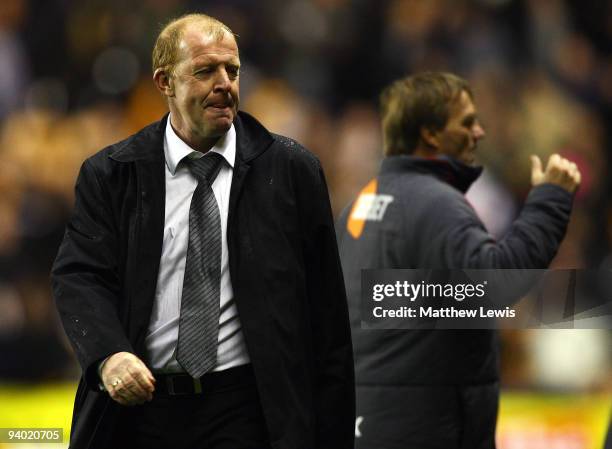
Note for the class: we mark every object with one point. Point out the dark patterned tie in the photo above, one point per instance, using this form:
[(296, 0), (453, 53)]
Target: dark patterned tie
[(199, 321)]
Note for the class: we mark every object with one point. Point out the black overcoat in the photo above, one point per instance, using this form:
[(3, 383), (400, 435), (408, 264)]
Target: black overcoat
[(284, 268)]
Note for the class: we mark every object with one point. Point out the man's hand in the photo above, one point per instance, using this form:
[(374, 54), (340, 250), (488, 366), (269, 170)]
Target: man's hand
[(559, 171), (127, 379)]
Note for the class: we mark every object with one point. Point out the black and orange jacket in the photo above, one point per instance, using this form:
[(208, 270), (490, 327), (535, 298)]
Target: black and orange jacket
[(414, 215)]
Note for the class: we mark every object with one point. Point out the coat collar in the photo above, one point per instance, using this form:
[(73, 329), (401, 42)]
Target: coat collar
[(252, 139), (447, 169)]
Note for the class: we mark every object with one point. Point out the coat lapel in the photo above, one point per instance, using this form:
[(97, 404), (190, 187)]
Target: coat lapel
[(149, 238), (240, 171), (252, 139), (145, 151)]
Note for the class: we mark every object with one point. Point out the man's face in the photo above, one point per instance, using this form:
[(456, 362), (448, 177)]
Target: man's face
[(462, 132), (205, 86)]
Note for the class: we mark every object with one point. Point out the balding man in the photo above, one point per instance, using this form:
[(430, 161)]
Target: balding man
[(199, 280)]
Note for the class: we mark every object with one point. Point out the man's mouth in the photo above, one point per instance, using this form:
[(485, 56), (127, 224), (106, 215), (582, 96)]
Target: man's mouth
[(220, 104), (220, 109)]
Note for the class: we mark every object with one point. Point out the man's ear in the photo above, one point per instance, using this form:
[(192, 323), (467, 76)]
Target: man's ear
[(164, 82), (429, 137)]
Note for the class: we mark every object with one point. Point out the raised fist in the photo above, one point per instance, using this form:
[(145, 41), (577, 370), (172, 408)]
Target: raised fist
[(559, 171)]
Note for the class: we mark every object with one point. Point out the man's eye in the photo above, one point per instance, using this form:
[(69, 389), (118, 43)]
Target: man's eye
[(204, 71), (233, 71), (468, 123)]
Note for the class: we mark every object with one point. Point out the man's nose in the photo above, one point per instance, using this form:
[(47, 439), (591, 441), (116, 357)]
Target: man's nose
[(222, 80), (478, 131)]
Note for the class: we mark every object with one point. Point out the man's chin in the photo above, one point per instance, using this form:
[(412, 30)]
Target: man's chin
[(220, 125), (469, 159)]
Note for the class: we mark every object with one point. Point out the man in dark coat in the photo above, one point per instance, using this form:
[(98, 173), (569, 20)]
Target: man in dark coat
[(436, 388), (283, 373)]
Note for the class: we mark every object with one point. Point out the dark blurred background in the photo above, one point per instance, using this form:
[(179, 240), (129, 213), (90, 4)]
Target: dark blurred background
[(75, 76)]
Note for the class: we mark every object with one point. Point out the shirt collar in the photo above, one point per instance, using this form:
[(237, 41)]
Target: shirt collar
[(175, 150)]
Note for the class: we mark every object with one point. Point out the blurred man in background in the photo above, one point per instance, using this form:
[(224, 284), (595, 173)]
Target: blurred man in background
[(433, 388), (199, 279)]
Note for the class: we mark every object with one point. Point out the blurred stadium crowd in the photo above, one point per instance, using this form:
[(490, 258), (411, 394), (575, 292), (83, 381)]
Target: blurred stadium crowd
[(75, 76)]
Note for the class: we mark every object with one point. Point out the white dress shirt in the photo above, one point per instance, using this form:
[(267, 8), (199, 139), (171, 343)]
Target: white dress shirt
[(161, 340)]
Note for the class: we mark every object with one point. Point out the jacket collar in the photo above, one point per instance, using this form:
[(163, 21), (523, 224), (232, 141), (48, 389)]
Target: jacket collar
[(447, 169), (252, 139)]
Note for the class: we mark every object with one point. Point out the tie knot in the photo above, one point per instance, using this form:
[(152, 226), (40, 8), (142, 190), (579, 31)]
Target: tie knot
[(206, 167)]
